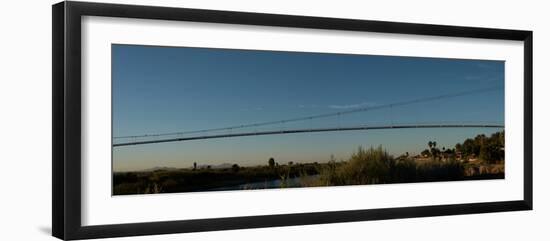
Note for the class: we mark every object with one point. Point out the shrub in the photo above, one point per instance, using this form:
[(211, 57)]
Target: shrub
[(366, 166), (376, 166)]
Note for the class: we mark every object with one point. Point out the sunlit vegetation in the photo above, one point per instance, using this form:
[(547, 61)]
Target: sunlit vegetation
[(479, 158), (376, 166)]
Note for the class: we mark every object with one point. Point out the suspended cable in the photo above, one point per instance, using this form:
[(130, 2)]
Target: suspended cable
[(325, 115)]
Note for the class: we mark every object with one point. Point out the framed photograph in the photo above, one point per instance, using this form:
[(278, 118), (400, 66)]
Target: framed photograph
[(169, 120)]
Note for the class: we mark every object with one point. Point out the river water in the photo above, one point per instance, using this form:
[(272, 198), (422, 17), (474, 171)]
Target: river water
[(277, 183)]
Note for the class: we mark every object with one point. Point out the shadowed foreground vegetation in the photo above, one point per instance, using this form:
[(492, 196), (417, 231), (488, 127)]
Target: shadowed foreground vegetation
[(205, 179), (475, 159)]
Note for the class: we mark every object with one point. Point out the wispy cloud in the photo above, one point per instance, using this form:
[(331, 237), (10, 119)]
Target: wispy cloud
[(352, 106), (307, 106)]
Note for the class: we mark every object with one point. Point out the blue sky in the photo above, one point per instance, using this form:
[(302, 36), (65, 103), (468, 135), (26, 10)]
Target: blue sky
[(172, 89)]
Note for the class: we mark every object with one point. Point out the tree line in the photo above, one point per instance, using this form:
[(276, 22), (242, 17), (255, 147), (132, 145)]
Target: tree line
[(486, 148)]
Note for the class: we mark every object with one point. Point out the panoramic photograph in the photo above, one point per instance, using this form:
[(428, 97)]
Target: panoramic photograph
[(189, 119)]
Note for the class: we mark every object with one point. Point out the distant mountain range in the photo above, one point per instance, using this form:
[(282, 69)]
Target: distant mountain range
[(220, 166), (159, 169)]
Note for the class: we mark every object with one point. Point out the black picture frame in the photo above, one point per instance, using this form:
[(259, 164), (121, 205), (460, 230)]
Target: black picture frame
[(66, 58)]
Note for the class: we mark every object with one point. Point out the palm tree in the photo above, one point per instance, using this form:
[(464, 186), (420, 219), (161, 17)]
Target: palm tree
[(433, 150)]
